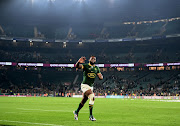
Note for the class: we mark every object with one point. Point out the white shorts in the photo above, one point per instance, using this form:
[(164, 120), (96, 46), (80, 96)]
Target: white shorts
[(85, 87)]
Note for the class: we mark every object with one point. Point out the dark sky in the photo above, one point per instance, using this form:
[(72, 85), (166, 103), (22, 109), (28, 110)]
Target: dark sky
[(90, 11)]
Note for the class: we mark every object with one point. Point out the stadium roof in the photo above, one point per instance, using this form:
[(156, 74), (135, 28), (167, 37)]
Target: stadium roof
[(85, 11)]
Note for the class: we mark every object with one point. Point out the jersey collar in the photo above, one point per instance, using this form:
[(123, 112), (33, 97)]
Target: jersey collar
[(91, 65)]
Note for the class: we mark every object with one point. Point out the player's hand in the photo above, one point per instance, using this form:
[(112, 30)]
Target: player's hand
[(82, 59)]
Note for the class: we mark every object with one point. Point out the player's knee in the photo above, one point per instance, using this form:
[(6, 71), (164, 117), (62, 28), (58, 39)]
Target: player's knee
[(91, 97)]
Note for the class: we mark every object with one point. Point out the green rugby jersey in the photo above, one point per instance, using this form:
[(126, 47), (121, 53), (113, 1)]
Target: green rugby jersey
[(89, 73)]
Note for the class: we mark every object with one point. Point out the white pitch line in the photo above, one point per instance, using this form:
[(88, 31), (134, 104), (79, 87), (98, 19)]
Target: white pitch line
[(47, 110), (10, 112), (31, 123), (22, 112)]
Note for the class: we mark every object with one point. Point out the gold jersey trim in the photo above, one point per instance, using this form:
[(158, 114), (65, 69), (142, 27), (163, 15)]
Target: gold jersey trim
[(82, 67), (91, 65)]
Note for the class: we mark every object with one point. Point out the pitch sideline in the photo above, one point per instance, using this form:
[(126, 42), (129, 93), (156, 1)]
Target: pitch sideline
[(31, 123)]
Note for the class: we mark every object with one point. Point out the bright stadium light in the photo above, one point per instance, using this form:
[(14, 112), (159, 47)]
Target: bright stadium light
[(51, 0), (80, 43), (32, 2), (64, 45), (79, 0)]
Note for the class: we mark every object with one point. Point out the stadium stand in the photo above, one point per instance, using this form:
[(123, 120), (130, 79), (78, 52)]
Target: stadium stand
[(125, 81), (165, 50), (93, 31)]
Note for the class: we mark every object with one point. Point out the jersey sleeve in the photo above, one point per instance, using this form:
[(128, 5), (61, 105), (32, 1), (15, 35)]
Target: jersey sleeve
[(98, 70)]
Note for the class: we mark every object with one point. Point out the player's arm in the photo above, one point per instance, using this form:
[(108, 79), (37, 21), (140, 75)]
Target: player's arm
[(100, 76), (79, 63)]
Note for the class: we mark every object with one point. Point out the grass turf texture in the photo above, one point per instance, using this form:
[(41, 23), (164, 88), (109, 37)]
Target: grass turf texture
[(115, 112)]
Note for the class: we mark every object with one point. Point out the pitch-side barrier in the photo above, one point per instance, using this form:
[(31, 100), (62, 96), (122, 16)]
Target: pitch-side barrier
[(108, 96), (133, 97)]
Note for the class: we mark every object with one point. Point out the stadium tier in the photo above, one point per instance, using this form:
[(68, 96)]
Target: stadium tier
[(41, 81), (92, 31), (149, 51)]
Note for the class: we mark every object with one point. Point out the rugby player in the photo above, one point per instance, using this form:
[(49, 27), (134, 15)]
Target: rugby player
[(89, 73)]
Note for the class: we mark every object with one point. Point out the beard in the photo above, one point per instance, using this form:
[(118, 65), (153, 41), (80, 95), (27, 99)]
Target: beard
[(91, 63)]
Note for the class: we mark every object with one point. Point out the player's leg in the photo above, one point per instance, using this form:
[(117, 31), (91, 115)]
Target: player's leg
[(81, 104), (91, 103), (85, 98)]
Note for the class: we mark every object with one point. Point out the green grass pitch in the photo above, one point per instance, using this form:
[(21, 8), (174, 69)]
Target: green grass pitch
[(55, 111)]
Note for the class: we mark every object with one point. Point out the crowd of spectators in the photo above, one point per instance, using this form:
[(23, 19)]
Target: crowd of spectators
[(141, 83), (52, 80), (134, 52)]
